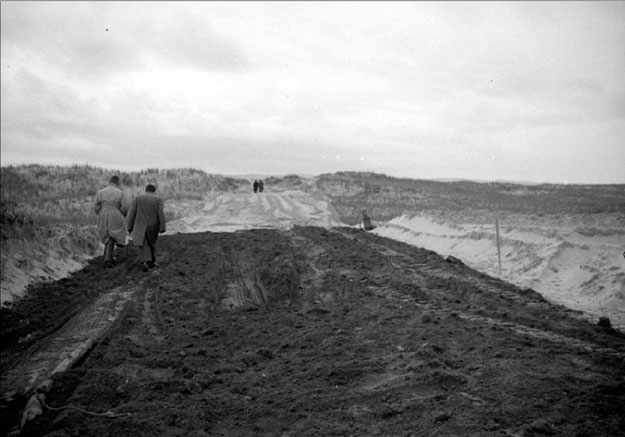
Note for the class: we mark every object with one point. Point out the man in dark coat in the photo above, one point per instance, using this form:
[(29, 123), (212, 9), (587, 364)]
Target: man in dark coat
[(145, 220)]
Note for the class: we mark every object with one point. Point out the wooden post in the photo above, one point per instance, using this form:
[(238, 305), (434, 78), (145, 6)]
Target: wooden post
[(498, 246)]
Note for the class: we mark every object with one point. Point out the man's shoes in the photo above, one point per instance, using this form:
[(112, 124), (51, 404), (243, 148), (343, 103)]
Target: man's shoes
[(120, 245), (109, 264), (147, 265)]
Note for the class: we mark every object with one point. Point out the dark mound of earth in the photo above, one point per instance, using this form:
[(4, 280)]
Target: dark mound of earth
[(312, 332)]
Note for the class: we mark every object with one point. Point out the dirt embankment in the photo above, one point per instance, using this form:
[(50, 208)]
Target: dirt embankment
[(572, 259), (48, 257), (314, 332)]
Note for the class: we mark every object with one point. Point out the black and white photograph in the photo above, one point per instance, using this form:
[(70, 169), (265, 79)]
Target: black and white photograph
[(312, 218)]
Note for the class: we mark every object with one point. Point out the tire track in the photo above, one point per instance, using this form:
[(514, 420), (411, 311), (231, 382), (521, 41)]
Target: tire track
[(239, 282), (151, 314), (61, 350)]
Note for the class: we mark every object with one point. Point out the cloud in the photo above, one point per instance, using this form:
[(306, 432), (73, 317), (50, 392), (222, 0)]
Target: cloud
[(93, 40), (187, 39), (35, 107), (429, 88), (72, 39)]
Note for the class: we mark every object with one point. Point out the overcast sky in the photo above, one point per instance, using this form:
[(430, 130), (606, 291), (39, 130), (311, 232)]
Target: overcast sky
[(524, 91)]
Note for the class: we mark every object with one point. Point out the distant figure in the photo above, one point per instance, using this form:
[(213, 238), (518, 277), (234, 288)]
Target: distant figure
[(255, 185), (146, 219), (110, 209), (261, 186), (366, 221)]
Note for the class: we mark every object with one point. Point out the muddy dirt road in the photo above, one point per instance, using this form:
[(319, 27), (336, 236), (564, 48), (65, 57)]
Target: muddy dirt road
[(302, 332)]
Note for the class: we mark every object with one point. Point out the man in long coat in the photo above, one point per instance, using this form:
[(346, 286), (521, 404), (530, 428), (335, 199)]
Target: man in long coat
[(145, 221), (110, 208)]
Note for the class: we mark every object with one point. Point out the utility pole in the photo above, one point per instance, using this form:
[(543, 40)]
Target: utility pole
[(498, 246)]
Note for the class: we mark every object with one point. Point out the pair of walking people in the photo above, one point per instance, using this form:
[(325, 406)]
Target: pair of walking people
[(258, 186), (142, 220)]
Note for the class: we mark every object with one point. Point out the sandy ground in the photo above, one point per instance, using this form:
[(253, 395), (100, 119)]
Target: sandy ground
[(576, 261), (229, 212)]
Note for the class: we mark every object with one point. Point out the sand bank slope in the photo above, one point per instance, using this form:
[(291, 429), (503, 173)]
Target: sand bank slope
[(576, 261), (45, 259)]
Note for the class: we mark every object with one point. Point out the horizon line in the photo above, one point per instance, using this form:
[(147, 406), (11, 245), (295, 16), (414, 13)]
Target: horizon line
[(247, 175)]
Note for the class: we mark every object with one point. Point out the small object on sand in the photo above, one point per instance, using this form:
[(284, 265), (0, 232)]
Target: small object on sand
[(33, 409), (453, 260), (442, 417), (541, 426), (604, 322)]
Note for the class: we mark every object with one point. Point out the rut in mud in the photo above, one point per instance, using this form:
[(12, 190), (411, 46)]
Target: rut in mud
[(313, 332)]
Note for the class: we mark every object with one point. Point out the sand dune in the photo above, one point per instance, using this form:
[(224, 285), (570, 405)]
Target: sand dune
[(574, 261)]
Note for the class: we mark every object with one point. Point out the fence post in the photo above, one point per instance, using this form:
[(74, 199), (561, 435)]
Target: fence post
[(498, 246)]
